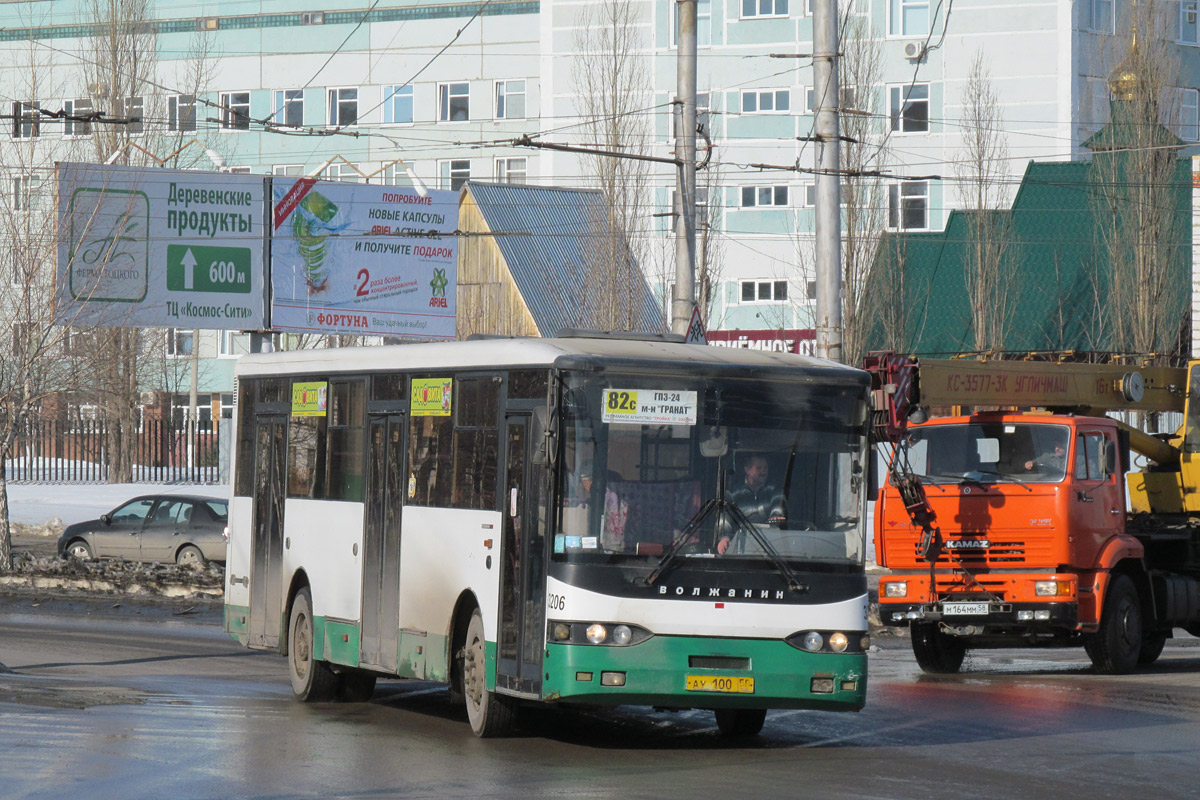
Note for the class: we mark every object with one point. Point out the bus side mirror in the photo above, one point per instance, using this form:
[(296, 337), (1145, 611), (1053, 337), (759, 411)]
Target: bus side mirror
[(541, 436)]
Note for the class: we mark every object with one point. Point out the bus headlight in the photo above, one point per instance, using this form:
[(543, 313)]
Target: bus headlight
[(838, 642), (895, 589), (597, 633), (561, 632), (608, 634), (622, 635), (813, 641)]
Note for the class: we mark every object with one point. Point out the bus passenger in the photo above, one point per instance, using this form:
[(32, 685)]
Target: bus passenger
[(760, 501)]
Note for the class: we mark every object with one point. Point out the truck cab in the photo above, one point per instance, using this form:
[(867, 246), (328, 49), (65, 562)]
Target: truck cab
[(1030, 510)]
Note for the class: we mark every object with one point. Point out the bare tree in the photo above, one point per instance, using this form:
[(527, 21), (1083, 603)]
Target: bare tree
[(982, 170), (613, 80), (1136, 169)]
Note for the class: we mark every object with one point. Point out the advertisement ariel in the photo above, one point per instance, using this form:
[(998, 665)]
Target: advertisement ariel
[(358, 259)]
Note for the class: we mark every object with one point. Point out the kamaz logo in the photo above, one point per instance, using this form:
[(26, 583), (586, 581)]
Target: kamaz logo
[(968, 544)]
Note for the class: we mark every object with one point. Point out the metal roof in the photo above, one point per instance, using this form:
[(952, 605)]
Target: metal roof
[(547, 235)]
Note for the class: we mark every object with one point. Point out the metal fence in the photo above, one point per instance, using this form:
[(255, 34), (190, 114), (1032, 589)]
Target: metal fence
[(48, 451)]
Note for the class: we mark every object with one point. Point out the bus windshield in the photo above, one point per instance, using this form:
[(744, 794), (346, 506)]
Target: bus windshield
[(989, 452), (649, 462)]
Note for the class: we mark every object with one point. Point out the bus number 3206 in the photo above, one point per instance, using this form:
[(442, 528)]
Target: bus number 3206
[(556, 602)]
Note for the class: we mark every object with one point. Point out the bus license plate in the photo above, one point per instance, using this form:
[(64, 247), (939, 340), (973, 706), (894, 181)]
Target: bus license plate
[(720, 683), (965, 609)]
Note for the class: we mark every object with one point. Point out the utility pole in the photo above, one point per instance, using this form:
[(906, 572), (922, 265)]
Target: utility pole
[(828, 169), (684, 298)]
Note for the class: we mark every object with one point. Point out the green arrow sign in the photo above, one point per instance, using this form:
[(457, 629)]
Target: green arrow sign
[(193, 268)]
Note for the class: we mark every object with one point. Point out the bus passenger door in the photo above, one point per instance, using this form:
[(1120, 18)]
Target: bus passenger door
[(379, 646), (522, 578), (266, 580)]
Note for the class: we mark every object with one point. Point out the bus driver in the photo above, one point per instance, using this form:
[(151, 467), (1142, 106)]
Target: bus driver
[(758, 500)]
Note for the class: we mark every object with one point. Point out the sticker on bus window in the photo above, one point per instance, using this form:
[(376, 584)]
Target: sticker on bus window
[(431, 397), (560, 543), (649, 406), (590, 542), (573, 543), (310, 399)]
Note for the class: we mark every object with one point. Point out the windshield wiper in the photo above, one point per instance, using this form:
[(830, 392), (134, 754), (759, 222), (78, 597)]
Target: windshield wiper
[(999, 478), (720, 504)]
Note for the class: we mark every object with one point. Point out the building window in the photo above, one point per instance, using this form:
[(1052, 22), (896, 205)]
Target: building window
[(181, 113), (398, 105), (77, 108), (79, 341), (454, 173), (849, 98), (289, 107), (703, 114), (231, 343), (908, 205), (235, 110), (341, 171), (180, 343), (1099, 16), (763, 196), (454, 102), (1188, 128), (810, 290), (752, 9), (810, 194), (288, 170), (912, 114), (510, 99), (510, 170), (343, 107), (772, 101), (703, 22), (25, 190), (26, 121), (764, 291), (132, 109), (908, 17), (1188, 29), (243, 170)]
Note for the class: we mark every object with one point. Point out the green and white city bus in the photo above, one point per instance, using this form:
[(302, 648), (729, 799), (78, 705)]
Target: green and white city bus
[(555, 520)]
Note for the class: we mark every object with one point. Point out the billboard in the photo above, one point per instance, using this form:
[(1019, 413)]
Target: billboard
[(160, 248), (800, 341), (350, 258)]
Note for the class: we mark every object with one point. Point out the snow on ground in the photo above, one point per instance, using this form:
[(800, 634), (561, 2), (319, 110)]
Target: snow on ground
[(38, 503)]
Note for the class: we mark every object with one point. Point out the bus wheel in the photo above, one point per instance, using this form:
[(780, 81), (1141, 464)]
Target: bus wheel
[(312, 681), (490, 714), (1114, 649), (355, 686), (938, 653), (740, 721)]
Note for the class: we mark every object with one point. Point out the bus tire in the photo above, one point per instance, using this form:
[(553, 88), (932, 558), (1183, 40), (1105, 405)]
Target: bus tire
[(1114, 649), (355, 686), (740, 721), (312, 680), (937, 653), (490, 714)]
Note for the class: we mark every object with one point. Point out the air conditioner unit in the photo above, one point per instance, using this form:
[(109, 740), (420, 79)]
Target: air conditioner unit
[(97, 90), (913, 50), (148, 398)]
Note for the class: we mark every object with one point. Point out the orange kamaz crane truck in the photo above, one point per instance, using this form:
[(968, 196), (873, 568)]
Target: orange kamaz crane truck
[(1028, 527)]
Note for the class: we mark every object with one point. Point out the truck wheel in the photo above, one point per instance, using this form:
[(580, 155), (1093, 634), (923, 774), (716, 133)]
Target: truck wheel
[(1152, 647), (490, 714), (938, 653), (1114, 649)]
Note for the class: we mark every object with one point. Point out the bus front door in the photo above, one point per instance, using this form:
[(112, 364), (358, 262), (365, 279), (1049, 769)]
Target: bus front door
[(266, 578), (379, 645), (523, 577)]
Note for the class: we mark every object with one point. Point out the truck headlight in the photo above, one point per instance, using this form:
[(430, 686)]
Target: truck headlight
[(1051, 588), (895, 589)]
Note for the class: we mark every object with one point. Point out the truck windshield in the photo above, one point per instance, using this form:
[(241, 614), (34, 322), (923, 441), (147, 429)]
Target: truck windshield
[(648, 461), (989, 452)]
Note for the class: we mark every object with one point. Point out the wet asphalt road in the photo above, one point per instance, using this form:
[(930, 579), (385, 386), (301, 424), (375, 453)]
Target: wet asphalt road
[(138, 701)]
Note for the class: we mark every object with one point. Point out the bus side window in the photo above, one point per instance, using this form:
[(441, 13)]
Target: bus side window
[(429, 459)]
